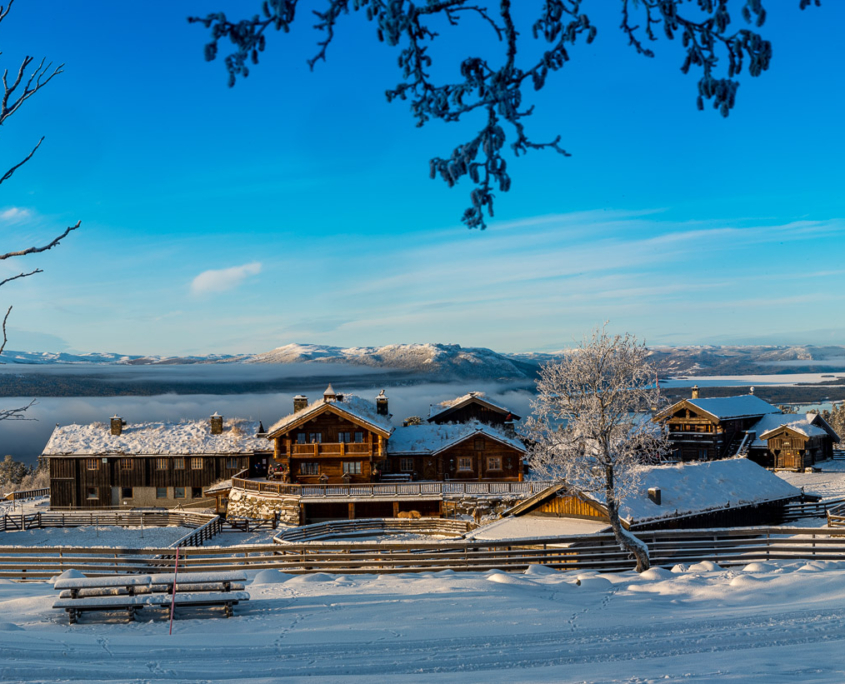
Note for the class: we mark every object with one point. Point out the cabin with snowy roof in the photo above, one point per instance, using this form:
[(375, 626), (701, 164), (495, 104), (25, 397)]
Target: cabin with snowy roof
[(473, 406), (705, 429), (455, 451), (338, 439), (730, 493), (127, 465)]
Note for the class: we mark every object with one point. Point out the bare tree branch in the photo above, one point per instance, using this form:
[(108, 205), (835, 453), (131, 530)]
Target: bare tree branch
[(5, 339), (36, 250), (8, 174), (20, 275), (18, 413)]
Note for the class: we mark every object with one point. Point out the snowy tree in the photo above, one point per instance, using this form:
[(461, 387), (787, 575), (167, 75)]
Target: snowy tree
[(30, 77), (591, 425), (496, 84)]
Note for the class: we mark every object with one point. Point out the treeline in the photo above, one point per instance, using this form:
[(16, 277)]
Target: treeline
[(16, 476)]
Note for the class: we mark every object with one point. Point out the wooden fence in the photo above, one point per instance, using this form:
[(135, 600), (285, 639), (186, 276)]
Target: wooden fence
[(201, 534), (440, 526), (836, 516), (391, 489), (134, 518), (596, 552), (28, 494), (809, 509)]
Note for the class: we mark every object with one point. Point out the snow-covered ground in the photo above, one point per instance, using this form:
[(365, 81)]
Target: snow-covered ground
[(531, 527), (96, 535), (829, 483), (763, 623)]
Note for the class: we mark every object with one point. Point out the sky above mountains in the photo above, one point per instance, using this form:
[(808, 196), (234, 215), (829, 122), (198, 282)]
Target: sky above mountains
[(297, 205)]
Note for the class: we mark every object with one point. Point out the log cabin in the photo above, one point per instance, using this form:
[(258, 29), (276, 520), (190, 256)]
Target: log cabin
[(728, 493), (339, 439), (119, 465), (705, 429), (456, 451), (473, 406)]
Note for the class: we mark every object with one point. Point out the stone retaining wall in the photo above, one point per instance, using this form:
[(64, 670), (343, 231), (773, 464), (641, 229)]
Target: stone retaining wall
[(263, 506)]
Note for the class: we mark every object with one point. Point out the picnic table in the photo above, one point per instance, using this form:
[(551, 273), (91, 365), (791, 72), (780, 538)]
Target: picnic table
[(135, 592)]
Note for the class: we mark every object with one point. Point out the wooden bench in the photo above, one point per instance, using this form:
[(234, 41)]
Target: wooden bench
[(135, 592)]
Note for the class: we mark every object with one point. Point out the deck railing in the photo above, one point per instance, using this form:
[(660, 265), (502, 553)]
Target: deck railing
[(391, 489), (331, 449), (731, 546)]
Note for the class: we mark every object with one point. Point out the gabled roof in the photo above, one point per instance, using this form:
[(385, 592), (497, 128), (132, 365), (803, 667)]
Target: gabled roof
[(460, 402), (430, 440), (688, 489), (804, 424), (151, 439), (357, 410), (724, 408)]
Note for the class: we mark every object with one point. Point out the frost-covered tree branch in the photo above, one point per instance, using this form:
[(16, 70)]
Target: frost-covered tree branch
[(591, 424), (495, 86)]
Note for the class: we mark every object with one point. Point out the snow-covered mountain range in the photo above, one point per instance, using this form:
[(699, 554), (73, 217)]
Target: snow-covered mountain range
[(454, 361)]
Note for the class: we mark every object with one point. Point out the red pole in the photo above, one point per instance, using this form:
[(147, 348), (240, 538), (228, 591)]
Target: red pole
[(173, 599)]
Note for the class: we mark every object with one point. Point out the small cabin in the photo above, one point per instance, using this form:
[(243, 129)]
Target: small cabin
[(792, 441), (470, 407)]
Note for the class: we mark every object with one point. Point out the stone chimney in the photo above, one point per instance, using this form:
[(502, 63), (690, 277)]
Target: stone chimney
[(381, 404), (300, 401), (216, 424), (329, 395), (508, 426), (695, 391), (117, 424)]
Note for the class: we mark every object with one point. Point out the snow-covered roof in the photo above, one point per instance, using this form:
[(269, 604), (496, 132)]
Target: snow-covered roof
[(457, 402), (432, 439), (694, 488), (357, 408), (801, 423), (726, 408), (150, 439)]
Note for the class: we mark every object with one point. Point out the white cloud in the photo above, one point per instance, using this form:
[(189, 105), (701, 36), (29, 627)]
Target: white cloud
[(223, 279), (14, 215)]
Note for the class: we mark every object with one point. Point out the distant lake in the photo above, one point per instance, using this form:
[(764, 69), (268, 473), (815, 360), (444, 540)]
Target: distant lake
[(783, 379)]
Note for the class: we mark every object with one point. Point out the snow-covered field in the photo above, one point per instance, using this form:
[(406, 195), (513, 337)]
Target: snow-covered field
[(764, 623), (96, 535), (829, 483)]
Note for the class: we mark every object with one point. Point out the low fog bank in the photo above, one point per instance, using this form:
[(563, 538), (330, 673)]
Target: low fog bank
[(26, 439)]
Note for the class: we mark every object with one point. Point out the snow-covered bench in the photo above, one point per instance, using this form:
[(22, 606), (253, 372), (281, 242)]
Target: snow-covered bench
[(135, 592)]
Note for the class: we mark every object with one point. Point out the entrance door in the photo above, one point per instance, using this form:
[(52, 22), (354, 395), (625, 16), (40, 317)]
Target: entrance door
[(115, 497)]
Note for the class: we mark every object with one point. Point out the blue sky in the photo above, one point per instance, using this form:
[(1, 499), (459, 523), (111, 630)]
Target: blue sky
[(297, 207)]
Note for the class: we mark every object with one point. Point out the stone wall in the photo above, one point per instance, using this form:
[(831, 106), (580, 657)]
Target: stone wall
[(479, 508), (263, 507)]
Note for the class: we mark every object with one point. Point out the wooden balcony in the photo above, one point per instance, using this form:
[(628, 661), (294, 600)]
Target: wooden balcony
[(330, 449)]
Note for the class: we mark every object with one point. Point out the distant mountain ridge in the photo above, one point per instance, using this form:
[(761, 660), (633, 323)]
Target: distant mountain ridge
[(454, 361)]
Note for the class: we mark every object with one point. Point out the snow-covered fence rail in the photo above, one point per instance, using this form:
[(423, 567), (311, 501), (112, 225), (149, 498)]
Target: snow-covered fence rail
[(201, 534), (440, 526), (810, 509), (135, 518), (391, 489), (728, 546), (28, 494), (836, 516)]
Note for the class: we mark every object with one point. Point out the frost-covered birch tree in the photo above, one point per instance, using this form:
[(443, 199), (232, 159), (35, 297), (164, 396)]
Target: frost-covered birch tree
[(591, 424), (17, 87), (495, 83)]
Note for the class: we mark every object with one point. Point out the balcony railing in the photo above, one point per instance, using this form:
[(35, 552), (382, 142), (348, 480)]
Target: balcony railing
[(331, 449)]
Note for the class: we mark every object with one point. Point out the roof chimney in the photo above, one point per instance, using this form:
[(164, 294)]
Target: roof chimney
[(117, 424), (300, 401), (216, 424), (381, 404), (752, 390), (695, 391), (329, 394), (654, 494)]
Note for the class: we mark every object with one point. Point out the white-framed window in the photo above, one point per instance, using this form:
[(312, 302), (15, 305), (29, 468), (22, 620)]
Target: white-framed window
[(196, 463), (464, 463), (494, 463), (310, 468), (406, 465), (352, 467)]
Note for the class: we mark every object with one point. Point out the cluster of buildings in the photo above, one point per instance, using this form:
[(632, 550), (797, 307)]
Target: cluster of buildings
[(343, 439)]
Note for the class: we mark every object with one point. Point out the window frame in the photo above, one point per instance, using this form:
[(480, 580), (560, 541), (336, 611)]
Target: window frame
[(127, 464), (232, 463), (307, 466), (162, 464), (463, 461), (344, 437), (159, 491), (179, 463), (176, 492), (406, 465), (124, 495), (359, 437), (494, 459), (315, 437), (92, 464), (300, 438), (351, 467), (197, 463)]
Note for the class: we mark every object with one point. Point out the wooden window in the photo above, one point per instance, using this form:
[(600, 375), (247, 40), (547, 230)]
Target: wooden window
[(494, 463), (232, 463), (352, 467), (465, 463), (92, 493), (92, 463), (309, 468), (300, 438), (126, 492), (315, 437), (406, 465), (179, 463), (126, 464), (196, 492), (161, 492), (344, 437), (359, 437), (178, 492), (161, 464), (479, 444), (196, 463)]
